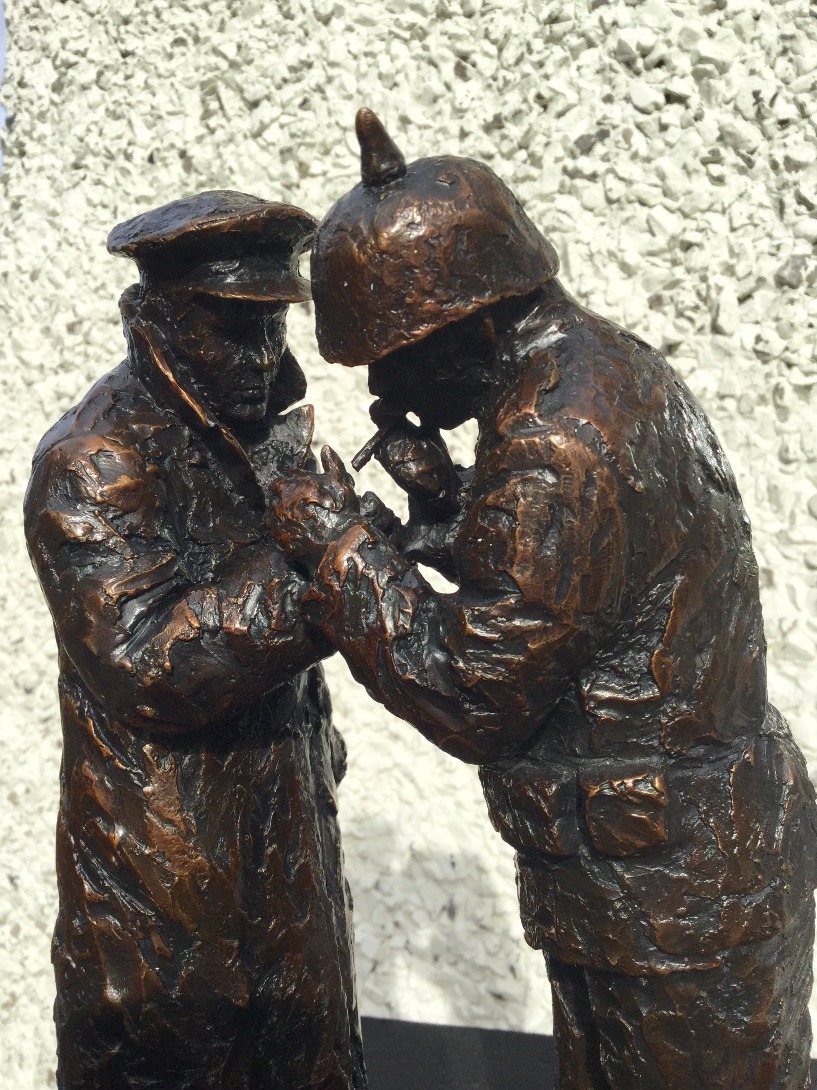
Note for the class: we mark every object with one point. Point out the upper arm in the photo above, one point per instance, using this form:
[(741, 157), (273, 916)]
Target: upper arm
[(158, 647), (547, 526), (542, 561), (108, 571), (89, 491)]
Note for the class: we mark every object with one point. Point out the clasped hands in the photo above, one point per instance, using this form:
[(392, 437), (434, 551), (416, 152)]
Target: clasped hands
[(308, 510)]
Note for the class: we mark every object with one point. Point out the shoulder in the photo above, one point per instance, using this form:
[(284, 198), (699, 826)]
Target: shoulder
[(533, 434), (591, 391), (92, 456)]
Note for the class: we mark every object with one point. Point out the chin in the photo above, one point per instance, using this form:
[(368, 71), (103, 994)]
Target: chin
[(445, 417), (248, 413), (448, 423)]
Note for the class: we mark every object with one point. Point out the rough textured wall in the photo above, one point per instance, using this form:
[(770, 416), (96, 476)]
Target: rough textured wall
[(667, 148)]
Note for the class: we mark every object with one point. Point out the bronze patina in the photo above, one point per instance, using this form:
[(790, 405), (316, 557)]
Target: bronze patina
[(602, 658), (204, 934)]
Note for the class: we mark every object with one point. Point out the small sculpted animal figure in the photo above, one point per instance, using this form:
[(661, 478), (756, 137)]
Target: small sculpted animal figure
[(204, 934), (602, 659)]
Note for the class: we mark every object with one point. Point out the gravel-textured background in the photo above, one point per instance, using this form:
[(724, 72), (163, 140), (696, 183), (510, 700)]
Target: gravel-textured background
[(667, 148)]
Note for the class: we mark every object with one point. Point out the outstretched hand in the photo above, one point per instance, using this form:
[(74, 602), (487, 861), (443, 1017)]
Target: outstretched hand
[(307, 510)]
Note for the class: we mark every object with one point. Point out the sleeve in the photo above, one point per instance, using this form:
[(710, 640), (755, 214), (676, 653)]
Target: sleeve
[(541, 560), (156, 647)]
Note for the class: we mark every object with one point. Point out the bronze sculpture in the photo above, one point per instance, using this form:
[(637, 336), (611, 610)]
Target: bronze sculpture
[(603, 658), (203, 939)]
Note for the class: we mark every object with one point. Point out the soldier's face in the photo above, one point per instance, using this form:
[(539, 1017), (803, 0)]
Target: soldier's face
[(443, 379), (233, 348)]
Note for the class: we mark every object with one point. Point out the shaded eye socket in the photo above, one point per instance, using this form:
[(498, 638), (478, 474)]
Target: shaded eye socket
[(445, 354), (379, 377), (231, 318), (233, 314)]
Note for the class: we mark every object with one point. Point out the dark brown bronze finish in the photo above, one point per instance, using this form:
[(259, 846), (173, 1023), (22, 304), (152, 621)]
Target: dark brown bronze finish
[(203, 939), (603, 658)]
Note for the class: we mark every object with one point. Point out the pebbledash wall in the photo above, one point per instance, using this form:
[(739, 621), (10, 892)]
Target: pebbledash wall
[(668, 150)]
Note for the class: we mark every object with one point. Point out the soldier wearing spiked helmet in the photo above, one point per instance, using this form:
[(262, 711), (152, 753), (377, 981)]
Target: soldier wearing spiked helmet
[(602, 659)]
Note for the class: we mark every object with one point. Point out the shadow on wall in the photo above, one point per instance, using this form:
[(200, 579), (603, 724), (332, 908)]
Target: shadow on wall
[(438, 933)]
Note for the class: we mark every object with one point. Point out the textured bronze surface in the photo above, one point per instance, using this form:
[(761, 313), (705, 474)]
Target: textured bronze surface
[(204, 933), (411, 249), (602, 658)]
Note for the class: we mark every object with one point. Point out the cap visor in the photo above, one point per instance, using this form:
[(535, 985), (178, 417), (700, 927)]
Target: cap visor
[(274, 288)]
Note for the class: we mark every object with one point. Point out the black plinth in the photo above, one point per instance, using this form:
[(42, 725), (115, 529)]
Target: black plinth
[(414, 1056)]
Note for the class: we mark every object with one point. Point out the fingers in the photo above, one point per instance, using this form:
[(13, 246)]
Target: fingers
[(333, 465), (331, 461), (385, 415)]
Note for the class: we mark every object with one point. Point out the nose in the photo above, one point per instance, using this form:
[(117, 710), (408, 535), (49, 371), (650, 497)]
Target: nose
[(265, 360)]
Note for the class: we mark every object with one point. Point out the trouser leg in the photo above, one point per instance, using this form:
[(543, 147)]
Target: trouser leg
[(742, 1026), (575, 1030)]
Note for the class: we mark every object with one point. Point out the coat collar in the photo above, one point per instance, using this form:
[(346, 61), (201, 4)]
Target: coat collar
[(151, 357)]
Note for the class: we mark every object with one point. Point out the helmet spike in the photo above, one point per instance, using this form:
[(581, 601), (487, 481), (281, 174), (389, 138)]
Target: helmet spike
[(380, 159)]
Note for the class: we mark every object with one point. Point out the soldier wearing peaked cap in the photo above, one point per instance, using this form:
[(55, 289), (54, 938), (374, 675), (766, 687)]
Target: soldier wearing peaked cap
[(603, 657), (203, 939)]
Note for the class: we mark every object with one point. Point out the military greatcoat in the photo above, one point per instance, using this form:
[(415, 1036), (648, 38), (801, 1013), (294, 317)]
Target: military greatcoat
[(204, 936)]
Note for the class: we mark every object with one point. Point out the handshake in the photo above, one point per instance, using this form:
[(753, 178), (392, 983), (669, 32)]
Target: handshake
[(602, 660), (308, 510)]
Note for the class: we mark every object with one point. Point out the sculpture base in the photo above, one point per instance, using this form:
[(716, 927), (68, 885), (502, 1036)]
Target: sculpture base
[(415, 1056)]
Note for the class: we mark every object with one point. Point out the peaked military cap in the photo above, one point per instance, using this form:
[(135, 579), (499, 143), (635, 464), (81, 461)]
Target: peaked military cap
[(220, 243)]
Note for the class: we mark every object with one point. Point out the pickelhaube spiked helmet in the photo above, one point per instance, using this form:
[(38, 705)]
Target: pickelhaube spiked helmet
[(221, 243), (412, 248)]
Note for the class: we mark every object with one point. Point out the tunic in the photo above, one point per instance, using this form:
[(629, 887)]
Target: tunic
[(603, 661)]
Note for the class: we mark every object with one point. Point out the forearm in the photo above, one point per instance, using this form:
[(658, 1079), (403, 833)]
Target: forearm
[(426, 541), (412, 650), (541, 566), (160, 640), (180, 660)]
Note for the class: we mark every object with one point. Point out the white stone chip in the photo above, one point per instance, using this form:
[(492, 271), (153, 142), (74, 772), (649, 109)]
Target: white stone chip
[(646, 98)]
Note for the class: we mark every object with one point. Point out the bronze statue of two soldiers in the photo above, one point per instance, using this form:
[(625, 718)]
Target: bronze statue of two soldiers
[(602, 659)]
